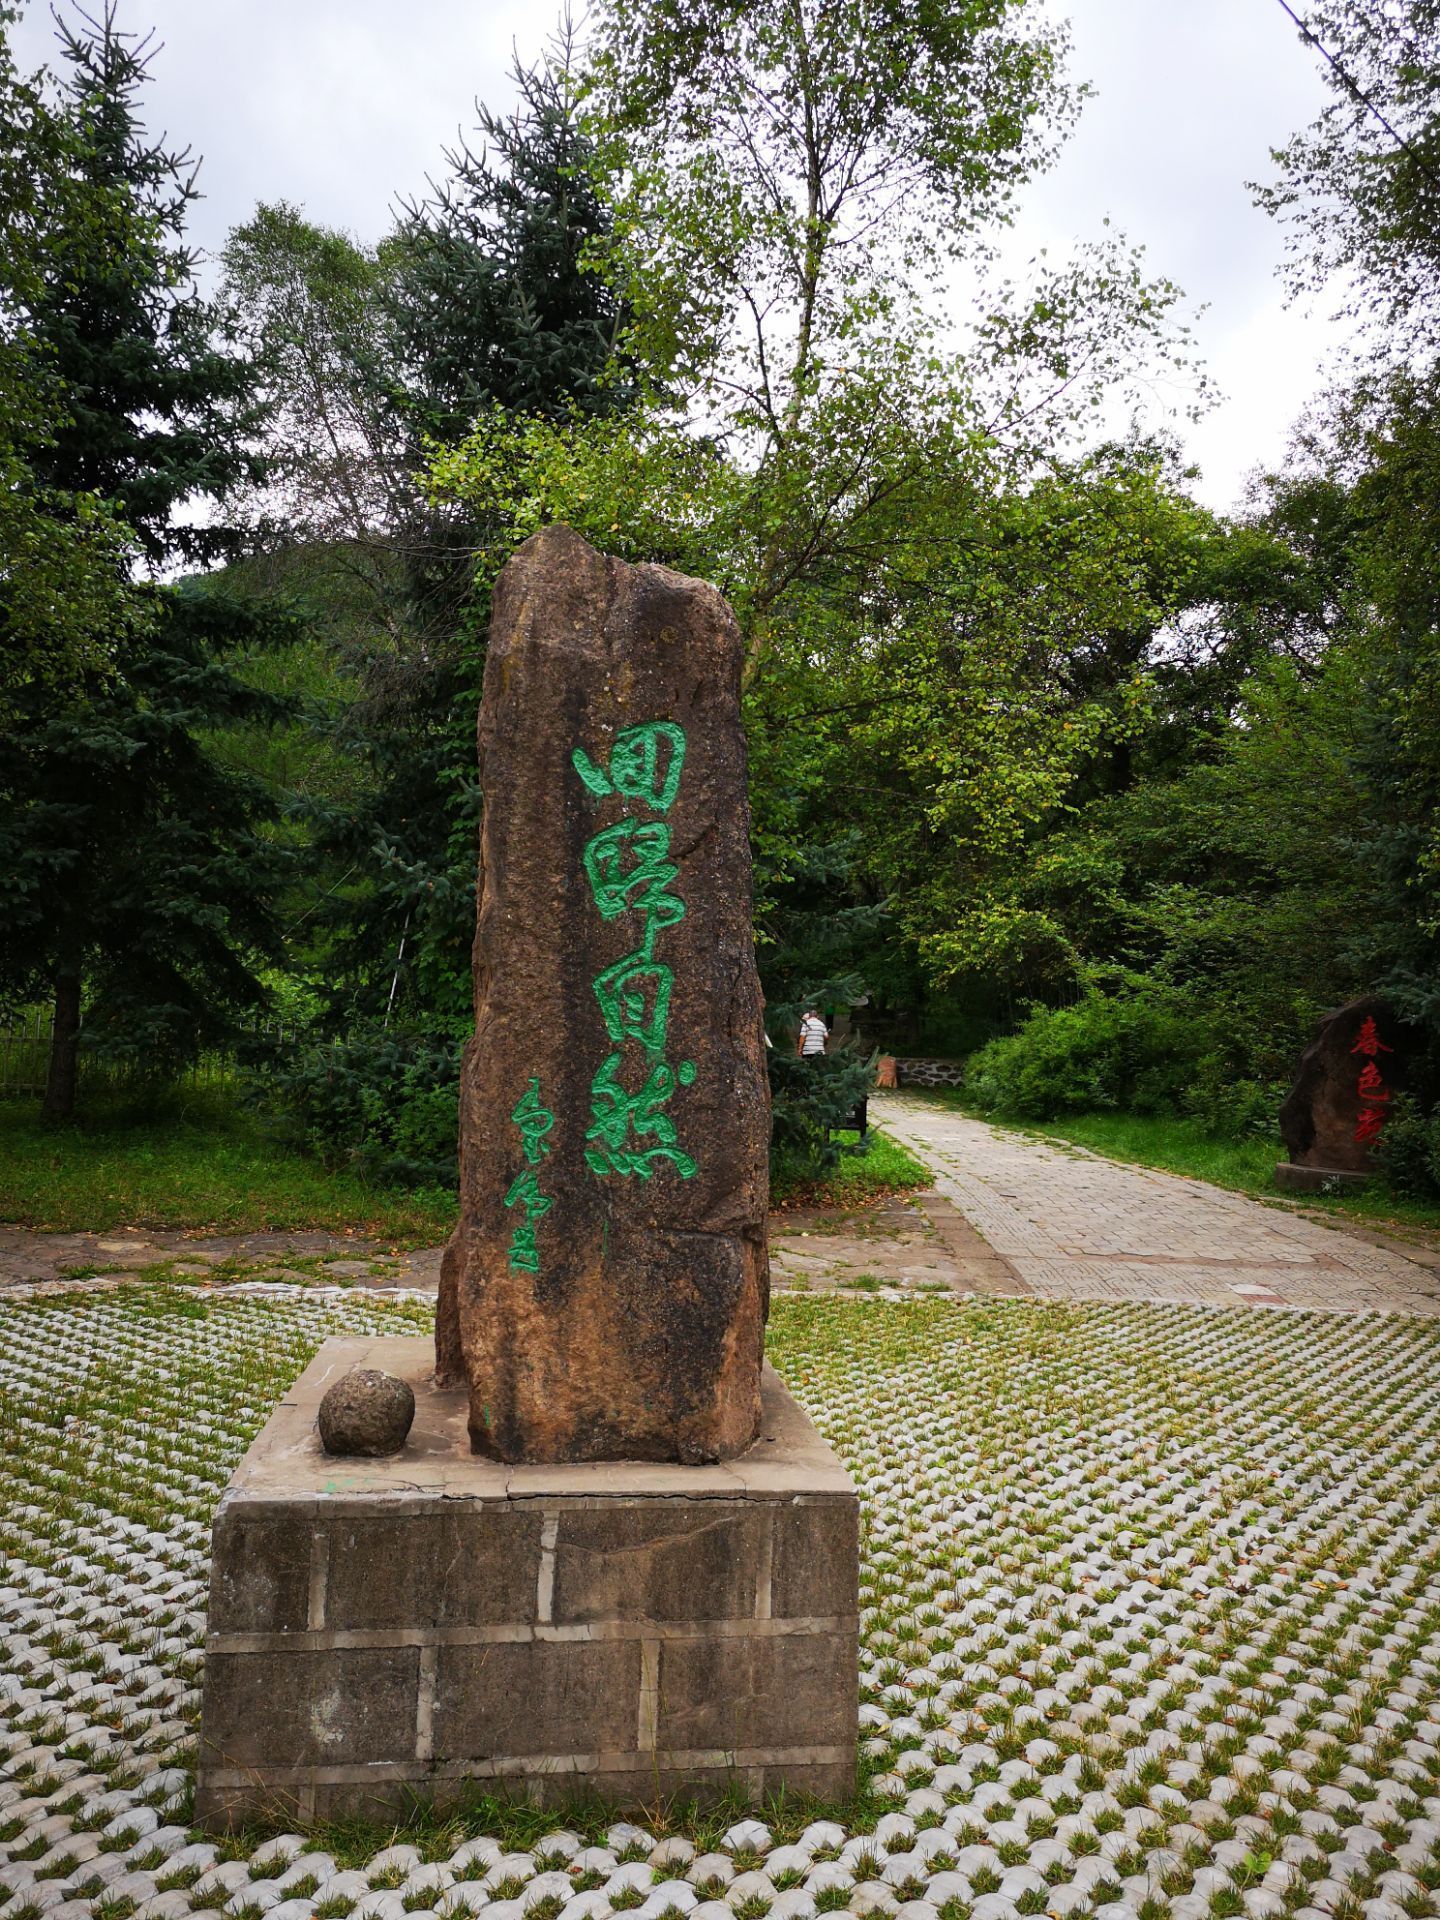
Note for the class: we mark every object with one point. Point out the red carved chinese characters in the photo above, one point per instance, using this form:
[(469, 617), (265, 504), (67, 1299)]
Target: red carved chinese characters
[(1369, 1040), (1371, 1087)]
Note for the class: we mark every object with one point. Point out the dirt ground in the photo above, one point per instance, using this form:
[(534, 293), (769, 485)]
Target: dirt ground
[(918, 1244)]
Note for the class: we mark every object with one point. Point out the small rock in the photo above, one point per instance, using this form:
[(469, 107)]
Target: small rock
[(367, 1413)]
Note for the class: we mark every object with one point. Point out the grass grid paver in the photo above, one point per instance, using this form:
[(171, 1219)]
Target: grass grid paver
[(1150, 1598), (1070, 1225)]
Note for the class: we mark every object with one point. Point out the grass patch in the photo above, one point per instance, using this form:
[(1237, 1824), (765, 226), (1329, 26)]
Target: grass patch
[(1173, 1144), (862, 1176), (204, 1162), (521, 1826), (200, 1162)]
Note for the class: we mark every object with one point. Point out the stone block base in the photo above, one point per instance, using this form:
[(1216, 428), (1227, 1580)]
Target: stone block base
[(433, 1623), (1302, 1179)]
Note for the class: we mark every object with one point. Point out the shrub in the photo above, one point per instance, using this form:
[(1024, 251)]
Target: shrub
[(808, 1098), (383, 1102), (1139, 1053), (1408, 1150), (1233, 1109)]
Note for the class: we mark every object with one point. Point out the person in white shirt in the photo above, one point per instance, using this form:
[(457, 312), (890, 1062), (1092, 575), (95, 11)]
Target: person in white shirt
[(813, 1034)]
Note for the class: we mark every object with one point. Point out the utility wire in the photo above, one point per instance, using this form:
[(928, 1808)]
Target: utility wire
[(1353, 88)]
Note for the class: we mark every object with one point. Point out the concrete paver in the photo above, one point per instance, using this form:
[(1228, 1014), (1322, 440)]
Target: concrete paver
[(1069, 1225)]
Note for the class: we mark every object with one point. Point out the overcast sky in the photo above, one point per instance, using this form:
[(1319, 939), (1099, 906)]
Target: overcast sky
[(341, 104)]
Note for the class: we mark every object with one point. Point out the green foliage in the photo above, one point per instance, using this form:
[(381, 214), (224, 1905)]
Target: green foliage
[(65, 593), (131, 859), (993, 716), (1230, 1108), (870, 503), (476, 305), (382, 1104), (863, 1172), (490, 297), (1032, 736), (812, 1097), (1255, 840), (1356, 189), (1137, 1052), (136, 871), (1238, 881), (304, 302), (1409, 1150), (816, 940), (1395, 509), (158, 407)]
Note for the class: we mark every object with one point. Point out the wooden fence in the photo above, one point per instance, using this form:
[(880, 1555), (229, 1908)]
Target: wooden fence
[(25, 1059), (24, 1054)]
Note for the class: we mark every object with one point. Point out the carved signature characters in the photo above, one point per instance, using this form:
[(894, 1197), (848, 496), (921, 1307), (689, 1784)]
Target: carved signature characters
[(534, 1122), (1371, 1088)]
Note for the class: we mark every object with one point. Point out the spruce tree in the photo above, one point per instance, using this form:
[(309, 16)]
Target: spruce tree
[(63, 589), (486, 301), (137, 871)]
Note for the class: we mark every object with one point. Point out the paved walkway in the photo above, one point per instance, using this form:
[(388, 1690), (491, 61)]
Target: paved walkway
[(1069, 1225)]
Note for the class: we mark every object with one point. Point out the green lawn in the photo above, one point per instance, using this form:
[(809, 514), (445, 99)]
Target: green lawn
[(204, 1163), (859, 1179), (1176, 1145)]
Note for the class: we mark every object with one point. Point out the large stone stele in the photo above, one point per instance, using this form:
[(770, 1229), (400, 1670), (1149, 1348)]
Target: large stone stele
[(604, 1294)]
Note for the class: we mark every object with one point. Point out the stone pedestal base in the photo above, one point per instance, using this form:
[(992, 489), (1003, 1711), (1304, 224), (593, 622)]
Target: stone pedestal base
[(382, 1629), (1302, 1179)]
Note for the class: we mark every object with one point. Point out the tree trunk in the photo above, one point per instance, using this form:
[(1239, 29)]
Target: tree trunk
[(59, 1101)]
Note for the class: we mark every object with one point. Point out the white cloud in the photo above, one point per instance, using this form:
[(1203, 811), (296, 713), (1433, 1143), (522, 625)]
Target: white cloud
[(341, 105), (338, 105)]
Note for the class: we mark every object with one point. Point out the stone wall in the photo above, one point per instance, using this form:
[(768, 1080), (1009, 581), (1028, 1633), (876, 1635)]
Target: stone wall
[(930, 1073)]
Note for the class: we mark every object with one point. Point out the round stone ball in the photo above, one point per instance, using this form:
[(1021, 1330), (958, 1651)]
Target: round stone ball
[(368, 1413)]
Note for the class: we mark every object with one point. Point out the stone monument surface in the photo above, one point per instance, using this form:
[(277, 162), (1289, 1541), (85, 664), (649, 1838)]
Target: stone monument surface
[(1337, 1109), (605, 1291), (611, 1554)]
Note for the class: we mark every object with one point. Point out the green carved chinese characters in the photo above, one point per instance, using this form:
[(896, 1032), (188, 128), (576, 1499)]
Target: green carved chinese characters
[(645, 764), (630, 871), (534, 1122)]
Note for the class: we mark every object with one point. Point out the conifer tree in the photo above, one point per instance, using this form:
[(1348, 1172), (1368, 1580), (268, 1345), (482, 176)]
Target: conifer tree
[(137, 876), (480, 299), (63, 588)]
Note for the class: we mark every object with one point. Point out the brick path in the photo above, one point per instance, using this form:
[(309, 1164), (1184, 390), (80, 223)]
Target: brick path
[(1069, 1225)]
